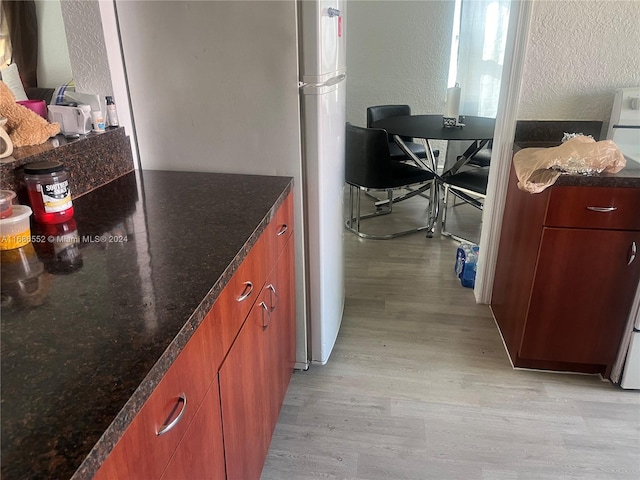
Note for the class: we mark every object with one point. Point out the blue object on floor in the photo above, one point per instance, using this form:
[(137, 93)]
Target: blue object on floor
[(466, 263)]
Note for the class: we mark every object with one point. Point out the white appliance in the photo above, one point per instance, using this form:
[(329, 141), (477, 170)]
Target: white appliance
[(323, 102), (624, 130), (253, 87), (624, 126)]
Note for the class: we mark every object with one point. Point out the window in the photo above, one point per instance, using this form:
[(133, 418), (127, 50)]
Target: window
[(477, 54)]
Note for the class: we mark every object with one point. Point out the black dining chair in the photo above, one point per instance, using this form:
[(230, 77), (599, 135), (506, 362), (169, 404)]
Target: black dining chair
[(380, 112), (483, 157), (469, 184), (369, 166)]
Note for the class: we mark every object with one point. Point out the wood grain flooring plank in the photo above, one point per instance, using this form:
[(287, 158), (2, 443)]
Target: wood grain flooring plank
[(419, 386)]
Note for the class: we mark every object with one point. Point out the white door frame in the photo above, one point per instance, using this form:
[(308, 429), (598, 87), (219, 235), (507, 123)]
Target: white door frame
[(518, 35)]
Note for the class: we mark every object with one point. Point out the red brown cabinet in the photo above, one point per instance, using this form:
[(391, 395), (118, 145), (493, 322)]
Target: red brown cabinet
[(200, 453), (566, 275), (219, 401), (256, 373)]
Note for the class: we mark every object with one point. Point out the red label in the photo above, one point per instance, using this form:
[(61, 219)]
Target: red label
[(339, 26)]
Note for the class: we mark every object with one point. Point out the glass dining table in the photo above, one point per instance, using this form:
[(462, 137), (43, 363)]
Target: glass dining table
[(477, 130)]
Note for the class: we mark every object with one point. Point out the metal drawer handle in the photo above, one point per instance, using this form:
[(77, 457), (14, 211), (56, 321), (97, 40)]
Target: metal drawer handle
[(282, 230), (248, 288), (634, 250), (602, 209), (273, 290), (168, 426), (265, 308)]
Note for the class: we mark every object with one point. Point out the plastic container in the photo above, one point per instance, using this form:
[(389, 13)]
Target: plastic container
[(49, 192), (38, 106), (6, 203), (466, 264), (15, 231), (97, 121)]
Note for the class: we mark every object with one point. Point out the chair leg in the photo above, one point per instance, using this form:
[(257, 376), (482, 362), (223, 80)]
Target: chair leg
[(355, 216), (445, 205), (466, 198), (410, 194)]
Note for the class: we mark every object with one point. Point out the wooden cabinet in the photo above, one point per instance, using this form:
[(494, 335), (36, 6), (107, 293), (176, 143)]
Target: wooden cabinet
[(200, 454), (282, 345), (256, 373), (217, 405), (213, 413), (244, 389), (144, 450), (566, 275)]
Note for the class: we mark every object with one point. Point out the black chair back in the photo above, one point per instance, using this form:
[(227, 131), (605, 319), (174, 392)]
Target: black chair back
[(380, 112), (367, 160)]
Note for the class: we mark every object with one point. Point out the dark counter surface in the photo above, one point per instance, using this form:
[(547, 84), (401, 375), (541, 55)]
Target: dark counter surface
[(628, 177), (88, 336), (91, 160)]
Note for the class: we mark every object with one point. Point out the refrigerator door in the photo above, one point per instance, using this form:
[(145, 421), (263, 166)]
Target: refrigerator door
[(322, 37), (324, 117)]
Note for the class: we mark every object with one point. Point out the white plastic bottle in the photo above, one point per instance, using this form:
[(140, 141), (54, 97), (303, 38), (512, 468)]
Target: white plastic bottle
[(112, 113), (97, 120)]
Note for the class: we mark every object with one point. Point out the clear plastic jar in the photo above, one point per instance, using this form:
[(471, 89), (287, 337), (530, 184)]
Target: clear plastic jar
[(49, 192)]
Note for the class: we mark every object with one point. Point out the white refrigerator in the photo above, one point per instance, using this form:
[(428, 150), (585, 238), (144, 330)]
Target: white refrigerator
[(252, 87), (323, 106)]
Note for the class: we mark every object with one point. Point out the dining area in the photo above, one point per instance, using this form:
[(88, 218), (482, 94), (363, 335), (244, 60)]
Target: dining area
[(393, 160)]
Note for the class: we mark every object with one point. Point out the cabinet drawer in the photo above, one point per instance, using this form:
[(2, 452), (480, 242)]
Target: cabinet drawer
[(594, 207), (232, 306), (141, 452), (279, 230)]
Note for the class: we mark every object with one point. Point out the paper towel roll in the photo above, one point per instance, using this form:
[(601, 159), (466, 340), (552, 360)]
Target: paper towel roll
[(452, 105)]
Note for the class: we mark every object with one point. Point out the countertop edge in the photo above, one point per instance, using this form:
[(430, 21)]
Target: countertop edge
[(93, 461)]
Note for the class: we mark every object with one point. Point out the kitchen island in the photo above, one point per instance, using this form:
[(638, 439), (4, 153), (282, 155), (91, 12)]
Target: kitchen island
[(567, 272), (88, 334)]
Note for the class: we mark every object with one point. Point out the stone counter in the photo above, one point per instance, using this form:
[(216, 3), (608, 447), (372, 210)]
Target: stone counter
[(83, 348), (91, 161)]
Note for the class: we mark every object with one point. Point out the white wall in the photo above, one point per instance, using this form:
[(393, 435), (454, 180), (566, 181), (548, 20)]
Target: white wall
[(214, 88), (397, 52), (85, 40), (579, 52), (54, 67)]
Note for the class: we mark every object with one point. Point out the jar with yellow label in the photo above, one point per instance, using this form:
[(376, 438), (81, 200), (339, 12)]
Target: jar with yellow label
[(48, 191)]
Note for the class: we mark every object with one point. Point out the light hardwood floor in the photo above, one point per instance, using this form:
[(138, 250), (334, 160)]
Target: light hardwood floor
[(419, 387)]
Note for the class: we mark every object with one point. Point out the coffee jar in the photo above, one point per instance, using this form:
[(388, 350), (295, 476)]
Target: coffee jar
[(49, 192)]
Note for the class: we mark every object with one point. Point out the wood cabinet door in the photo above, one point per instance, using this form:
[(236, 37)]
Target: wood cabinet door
[(281, 331), (585, 285), (142, 452), (245, 400), (200, 453)]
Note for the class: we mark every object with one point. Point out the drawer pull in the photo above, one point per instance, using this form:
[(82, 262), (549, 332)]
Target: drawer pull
[(265, 308), (248, 288), (634, 250), (168, 426), (275, 294), (602, 209), (283, 230)]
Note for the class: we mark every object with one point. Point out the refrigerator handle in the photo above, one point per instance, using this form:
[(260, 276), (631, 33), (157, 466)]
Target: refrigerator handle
[(328, 83)]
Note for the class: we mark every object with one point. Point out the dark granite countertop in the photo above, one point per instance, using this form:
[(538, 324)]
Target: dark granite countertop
[(91, 160), (628, 177), (88, 334)]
